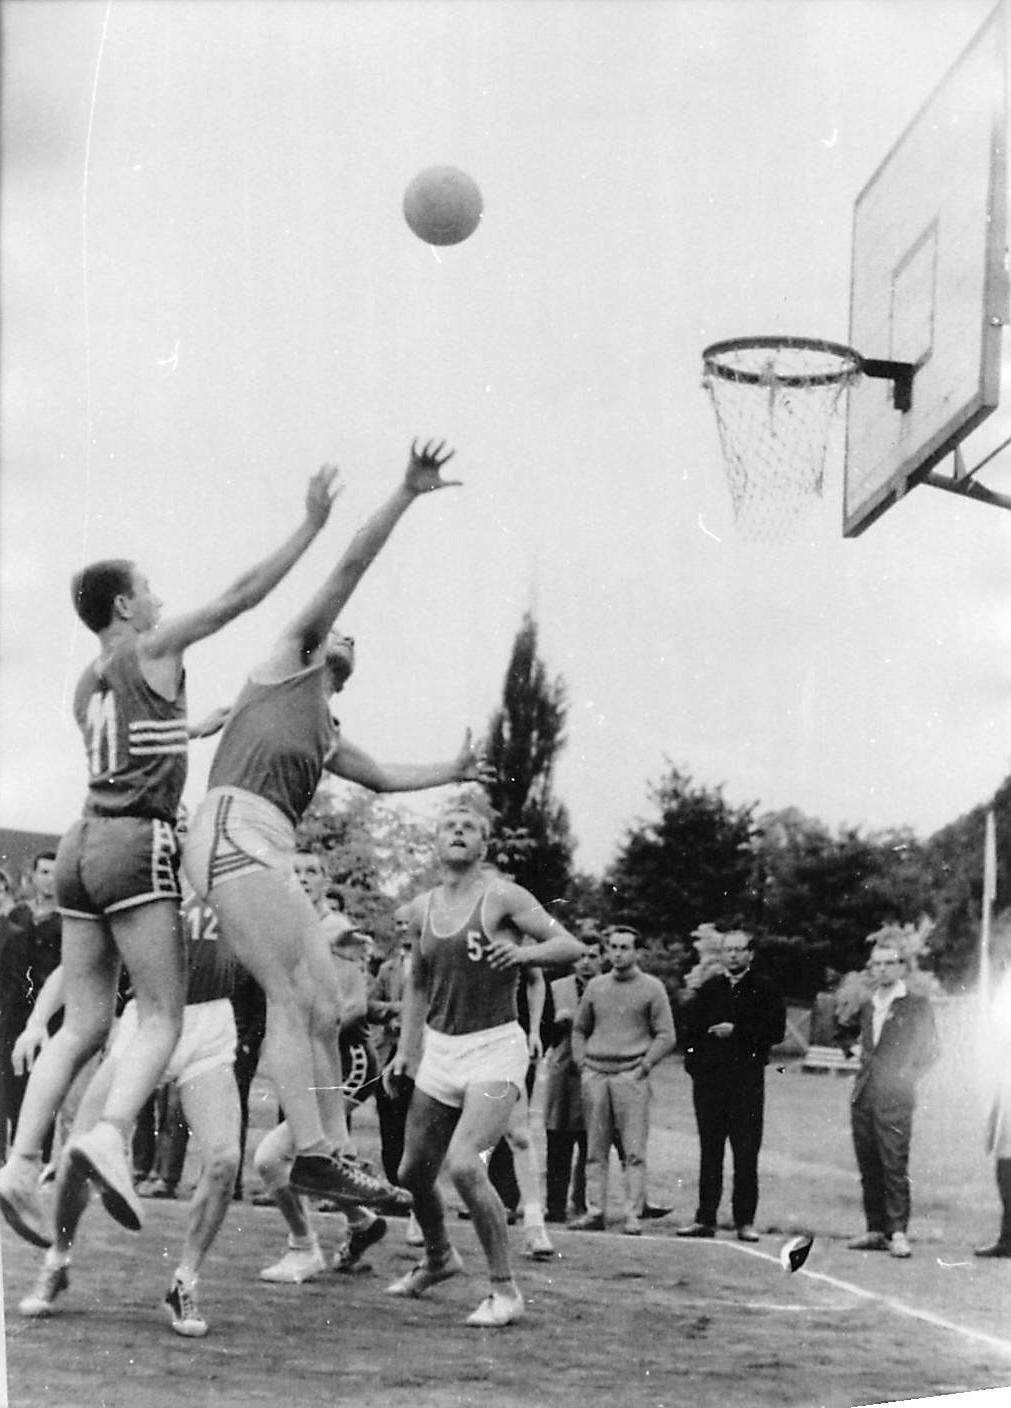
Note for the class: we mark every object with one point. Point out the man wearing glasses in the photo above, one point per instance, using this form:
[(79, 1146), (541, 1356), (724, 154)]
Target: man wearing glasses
[(898, 1043)]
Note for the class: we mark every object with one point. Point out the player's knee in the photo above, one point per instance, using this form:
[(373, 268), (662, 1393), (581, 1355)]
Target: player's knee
[(466, 1169), (222, 1164), (273, 1159)]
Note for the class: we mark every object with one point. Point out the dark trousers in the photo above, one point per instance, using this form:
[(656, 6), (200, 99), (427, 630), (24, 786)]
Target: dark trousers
[(729, 1105), (565, 1181), (392, 1112), (882, 1129), (247, 1058), (173, 1139)]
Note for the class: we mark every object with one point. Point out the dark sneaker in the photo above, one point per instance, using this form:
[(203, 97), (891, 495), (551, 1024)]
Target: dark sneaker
[(343, 1180), (52, 1281), (349, 1259), (995, 1249), (650, 1212), (587, 1222), (185, 1313)]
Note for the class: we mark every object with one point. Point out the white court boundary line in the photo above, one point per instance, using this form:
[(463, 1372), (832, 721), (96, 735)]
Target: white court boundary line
[(900, 1307)]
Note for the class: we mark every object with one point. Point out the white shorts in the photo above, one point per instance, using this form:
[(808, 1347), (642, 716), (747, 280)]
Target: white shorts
[(235, 833), (449, 1064), (207, 1040)]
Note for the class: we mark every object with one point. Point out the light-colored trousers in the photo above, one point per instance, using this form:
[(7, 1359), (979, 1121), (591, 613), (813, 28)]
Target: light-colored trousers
[(615, 1105)]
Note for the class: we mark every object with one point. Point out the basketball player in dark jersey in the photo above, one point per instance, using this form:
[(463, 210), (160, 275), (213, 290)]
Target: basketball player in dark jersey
[(459, 1008), (202, 1066), (116, 869), (279, 740)]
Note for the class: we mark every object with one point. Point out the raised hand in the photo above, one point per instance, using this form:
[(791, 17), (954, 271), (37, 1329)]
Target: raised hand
[(320, 495), (472, 765), (424, 468)]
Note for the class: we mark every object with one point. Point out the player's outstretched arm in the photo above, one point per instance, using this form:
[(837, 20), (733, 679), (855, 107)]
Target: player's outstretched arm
[(173, 636), (355, 765), (307, 633)]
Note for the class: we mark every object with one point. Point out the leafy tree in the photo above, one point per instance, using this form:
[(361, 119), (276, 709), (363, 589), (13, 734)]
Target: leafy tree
[(818, 895), (525, 737), (691, 864), (375, 853)]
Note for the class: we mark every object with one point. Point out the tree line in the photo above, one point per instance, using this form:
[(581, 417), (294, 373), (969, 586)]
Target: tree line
[(810, 895)]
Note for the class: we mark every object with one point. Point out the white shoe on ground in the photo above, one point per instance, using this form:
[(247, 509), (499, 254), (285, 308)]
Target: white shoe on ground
[(297, 1265), (497, 1310)]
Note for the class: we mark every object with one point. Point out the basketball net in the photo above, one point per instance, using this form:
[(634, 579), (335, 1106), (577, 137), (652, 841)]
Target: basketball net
[(775, 399)]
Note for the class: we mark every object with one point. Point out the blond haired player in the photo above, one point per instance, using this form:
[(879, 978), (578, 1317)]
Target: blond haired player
[(459, 1008)]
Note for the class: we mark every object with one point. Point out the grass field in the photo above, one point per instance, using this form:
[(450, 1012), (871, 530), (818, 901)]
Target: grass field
[(649, 1323)]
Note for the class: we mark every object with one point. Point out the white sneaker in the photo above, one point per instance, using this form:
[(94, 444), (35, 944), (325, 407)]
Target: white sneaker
[(297, 1265), (497, 1310), (101, 1156), (537, 1245), (414, 1237), (899, 1246), (427, 1273)]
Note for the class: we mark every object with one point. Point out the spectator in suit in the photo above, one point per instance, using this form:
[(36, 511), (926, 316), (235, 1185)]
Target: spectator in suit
[(385, 1002), (898, 1044), (564, 1122), (12, 1001), (734, 1020), (27, 960)]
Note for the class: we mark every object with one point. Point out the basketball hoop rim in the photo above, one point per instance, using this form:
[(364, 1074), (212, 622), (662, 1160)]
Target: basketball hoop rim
[(850, 362)]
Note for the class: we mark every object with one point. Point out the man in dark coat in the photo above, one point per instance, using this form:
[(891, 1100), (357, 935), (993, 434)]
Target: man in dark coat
[(898, 1043), (730, 1027)]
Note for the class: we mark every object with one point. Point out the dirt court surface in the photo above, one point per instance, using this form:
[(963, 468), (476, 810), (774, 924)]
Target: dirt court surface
[(648, 1322)]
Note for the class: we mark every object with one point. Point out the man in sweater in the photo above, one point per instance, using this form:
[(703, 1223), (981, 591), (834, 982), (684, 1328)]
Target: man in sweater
[(622, 1028), (737, 1016)]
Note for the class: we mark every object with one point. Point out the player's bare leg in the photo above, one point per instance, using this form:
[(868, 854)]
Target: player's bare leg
[(150, 941), (71, 1197), (270, 926), (487, 1110), (211, 1109)]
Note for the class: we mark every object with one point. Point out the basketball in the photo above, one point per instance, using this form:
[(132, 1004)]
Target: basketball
[(443, 205)]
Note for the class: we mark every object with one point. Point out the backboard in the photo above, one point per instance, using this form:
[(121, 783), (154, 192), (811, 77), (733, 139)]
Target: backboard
[(929, 280)]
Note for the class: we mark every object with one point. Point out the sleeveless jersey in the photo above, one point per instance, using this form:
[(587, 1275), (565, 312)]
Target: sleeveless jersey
[(210, 968), (135, 739), (465, 993), (276, 742)]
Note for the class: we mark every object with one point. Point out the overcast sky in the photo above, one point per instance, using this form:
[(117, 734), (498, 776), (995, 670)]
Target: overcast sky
[(208, 290)]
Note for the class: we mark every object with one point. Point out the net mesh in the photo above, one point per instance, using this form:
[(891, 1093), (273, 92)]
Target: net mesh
[(775, 401)]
